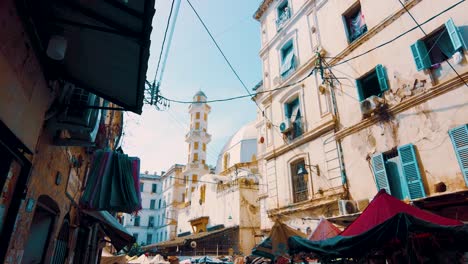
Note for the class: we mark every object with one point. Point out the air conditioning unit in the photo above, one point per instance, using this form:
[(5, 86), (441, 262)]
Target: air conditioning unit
[(370, 104), (347, 207), (80, 122), (285, 126)]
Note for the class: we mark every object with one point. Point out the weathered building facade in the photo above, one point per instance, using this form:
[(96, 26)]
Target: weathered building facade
[(381, 90), (296, 125), (51, 123), (143, 225), (402, 107)]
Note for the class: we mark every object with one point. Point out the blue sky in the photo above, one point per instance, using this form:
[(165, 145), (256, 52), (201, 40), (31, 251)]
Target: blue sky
[(194, 63)]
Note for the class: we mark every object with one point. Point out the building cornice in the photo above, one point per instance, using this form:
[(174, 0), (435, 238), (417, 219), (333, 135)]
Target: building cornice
[(261, 9), (311, 204), (324, 126), (431, 93)]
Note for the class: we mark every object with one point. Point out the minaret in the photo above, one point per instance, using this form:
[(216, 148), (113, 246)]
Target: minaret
[(197, 139)]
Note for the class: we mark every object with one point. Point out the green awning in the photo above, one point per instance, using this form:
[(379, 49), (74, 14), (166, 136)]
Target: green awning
[(107, 44)]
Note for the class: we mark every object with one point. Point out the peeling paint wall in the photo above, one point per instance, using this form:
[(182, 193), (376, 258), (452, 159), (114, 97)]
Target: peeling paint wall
[(420, 107)]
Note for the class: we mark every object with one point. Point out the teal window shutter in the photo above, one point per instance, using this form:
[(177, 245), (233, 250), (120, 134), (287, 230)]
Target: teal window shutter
[(286, 111), (382, 76), (420, 55), (455, 36), (359, 90), (411, 172), (380, 172), (459, 136)]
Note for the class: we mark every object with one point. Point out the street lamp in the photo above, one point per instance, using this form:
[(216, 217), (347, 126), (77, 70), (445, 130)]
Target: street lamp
[(301, 171)]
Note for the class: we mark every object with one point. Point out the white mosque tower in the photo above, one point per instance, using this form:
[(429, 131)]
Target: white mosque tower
[(197, 139)]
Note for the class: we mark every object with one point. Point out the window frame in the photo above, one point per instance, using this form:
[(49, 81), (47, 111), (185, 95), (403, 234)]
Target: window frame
[(353, 9), (382, 78), (420, 51), (293, 173), (290, 100), (286, 3), (409, 167), (290, 42)]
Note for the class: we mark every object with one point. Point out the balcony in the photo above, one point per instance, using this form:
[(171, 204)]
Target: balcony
[(283, 17)]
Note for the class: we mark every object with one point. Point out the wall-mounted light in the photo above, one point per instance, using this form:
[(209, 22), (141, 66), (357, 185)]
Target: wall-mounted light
[(303, 171), (57, 47)]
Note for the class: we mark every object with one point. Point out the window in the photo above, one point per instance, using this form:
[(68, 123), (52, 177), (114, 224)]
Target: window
[(197, 125), (373, 83), (141, 187), (205, 116), (135, 235), (397, 172), (137, 220), (284, 14), (154, 187), (152, 204), (197, 115), (292, 126), (185, 179), (459, 136), (194, 178), (195, 157), (438, 46), (203, 161), (299, 182), (226, 161), (204, 146), (157, 237), (149, 239), (151, 221), (202, 194), (288, 59), (159, 204), (195, 145), (355, 24)]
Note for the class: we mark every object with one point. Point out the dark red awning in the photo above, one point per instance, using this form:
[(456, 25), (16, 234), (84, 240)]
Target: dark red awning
[(384, 207)]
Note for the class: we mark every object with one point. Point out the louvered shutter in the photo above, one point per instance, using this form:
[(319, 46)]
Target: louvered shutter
[(459, 136), (359, 90), (410, 168), (420, 55), (382, 77), (380, 172), (454, 33), (287, 114)]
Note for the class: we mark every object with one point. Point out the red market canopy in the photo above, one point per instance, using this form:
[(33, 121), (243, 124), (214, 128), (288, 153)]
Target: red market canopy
[(324, 230), (384, 207)]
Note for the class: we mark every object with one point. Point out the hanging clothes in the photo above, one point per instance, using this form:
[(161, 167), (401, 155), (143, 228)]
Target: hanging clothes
[(113, 183)]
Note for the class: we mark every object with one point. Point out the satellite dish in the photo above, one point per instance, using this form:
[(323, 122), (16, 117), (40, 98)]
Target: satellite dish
[(193, 244)]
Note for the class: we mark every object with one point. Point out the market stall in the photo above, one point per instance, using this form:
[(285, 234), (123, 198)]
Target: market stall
[(394, 232)]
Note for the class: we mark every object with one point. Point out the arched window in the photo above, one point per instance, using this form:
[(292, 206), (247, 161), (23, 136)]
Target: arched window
[(300, 187)]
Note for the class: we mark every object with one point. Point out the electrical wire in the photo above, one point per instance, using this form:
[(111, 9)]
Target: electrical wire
[(240, 96), (222, 53), (395, 38), (438, 46), (163, 42)]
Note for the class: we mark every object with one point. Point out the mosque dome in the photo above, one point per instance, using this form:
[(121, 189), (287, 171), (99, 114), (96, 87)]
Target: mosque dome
[(241, 147)]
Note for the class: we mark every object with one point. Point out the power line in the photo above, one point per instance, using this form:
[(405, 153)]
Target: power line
[(164, 41), (438, 46), (393, 39), (222, 53), (241, 96)]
